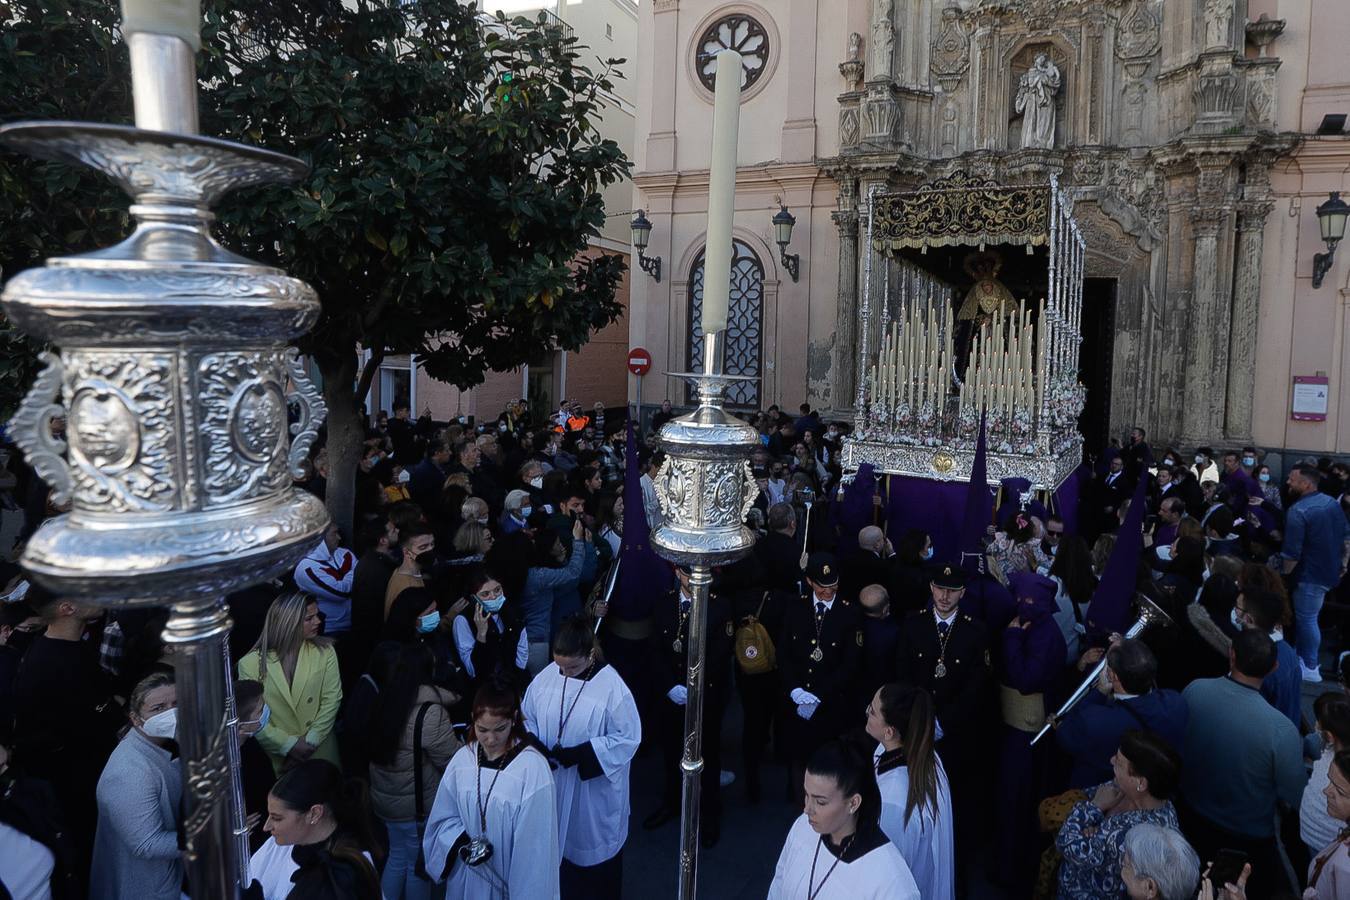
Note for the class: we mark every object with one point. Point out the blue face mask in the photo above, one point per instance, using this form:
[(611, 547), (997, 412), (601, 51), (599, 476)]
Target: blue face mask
[(262, 720), (1265, 476), (495, 605), (928, 553), (427, 624)]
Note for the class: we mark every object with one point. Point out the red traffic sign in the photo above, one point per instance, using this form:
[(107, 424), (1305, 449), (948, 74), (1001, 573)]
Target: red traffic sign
[(639, 361)]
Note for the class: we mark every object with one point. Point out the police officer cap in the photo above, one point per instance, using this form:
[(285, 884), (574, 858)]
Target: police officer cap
[(822, 570), (949, 577)]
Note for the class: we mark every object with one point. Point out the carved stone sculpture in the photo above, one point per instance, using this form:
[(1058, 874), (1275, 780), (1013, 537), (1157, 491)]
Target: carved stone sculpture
[(1218, 18), (1036, 92), (883, 39)]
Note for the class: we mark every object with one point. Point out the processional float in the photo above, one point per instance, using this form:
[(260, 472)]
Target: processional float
[(931, 357), (175, 377)]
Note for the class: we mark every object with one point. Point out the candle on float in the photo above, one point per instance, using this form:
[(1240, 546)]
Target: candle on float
[(721, 192), (175, 18)]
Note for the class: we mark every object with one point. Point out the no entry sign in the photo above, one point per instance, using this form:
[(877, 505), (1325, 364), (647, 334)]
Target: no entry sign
[(639, 361)]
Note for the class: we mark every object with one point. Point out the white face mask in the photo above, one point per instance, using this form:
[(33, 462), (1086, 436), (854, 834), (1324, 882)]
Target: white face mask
[(1199, 460), (404, 477), (162, 725), (537, 482)]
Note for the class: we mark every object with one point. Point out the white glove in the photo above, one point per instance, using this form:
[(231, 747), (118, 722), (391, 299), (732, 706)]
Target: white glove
[(678, 694), (807, 710), (801, 696)]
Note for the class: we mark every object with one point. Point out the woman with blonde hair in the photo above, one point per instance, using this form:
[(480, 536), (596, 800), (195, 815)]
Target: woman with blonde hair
[(301, 685), (472, 542)]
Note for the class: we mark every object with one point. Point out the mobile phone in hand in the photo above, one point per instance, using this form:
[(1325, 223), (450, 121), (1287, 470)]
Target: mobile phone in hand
[(1227, 868)]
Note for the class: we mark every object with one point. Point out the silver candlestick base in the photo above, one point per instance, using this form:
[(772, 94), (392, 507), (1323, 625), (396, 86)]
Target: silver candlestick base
[(173, 374), (706, 489)]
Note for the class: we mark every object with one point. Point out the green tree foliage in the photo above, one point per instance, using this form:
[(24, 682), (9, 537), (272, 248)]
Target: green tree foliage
[(456, 170), (57, 61)]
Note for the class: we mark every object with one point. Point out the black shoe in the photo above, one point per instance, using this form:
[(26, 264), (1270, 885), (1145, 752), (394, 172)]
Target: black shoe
[(659, 818), (709, 835)]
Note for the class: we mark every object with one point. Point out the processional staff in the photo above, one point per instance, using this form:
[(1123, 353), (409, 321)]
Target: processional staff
[(705, 486), (173, 375)]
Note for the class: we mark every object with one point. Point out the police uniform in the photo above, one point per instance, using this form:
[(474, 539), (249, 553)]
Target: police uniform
[(952, 664), (669, 655), (821, 657)]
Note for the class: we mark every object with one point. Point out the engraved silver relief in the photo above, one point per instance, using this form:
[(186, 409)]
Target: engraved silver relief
[(313, 410), (122, 422), (31, 429)]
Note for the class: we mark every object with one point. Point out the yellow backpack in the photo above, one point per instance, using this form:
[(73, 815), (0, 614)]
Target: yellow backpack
[(754, 647)]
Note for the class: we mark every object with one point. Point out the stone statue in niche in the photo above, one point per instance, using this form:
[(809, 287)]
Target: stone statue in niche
[(854, 47), (1036, 92), (883, 39), (1218, 16)]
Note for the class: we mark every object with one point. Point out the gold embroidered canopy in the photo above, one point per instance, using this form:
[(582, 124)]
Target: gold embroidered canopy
[(961, 210)]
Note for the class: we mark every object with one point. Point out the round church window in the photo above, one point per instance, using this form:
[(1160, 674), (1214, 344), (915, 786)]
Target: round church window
[(737, 32)]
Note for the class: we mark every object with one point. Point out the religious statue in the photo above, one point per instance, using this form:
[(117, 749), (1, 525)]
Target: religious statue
[(883, 39), (854, 47), (1036, 92), (1218, 15), (988, 297)]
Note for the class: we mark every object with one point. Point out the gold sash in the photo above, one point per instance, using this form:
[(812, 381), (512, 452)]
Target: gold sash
[(1025, 712)]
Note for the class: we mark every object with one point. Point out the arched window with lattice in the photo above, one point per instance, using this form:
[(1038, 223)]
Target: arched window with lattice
[(745, 325)]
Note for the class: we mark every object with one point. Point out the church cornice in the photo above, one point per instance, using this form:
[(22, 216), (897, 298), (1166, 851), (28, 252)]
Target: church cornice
[(756, 178)]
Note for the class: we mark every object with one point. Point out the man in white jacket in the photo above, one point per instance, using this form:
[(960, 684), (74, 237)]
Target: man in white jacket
[(326, 573)]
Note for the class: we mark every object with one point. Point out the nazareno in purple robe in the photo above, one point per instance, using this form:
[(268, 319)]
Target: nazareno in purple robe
[(1033, 660)]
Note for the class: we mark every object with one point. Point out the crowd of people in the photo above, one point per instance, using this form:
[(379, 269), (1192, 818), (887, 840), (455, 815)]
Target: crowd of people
[(448, 701)]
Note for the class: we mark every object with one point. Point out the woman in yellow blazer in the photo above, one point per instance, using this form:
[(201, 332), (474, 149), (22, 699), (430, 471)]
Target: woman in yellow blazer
[(299, 673)]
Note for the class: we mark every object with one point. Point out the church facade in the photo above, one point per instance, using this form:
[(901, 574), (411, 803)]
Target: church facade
[(1185, 132)]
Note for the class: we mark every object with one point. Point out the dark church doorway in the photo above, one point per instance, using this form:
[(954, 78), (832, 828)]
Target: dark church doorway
[(1094, 362)]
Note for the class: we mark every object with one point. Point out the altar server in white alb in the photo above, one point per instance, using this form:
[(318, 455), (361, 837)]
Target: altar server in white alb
[(581, 711), (491, 831), (836, 849), (916, 801)]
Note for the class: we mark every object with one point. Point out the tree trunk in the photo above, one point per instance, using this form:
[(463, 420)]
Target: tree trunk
[(346, 434)]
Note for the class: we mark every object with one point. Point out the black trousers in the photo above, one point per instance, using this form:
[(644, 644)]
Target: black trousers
[(599, 882), (760, 704), (672, 751)]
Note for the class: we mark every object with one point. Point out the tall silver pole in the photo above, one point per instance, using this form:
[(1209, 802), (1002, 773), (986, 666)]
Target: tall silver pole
[(706, 489), (173, 375)]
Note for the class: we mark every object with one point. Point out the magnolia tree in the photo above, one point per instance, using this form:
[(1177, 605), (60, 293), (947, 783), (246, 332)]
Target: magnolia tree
[(456, 171)]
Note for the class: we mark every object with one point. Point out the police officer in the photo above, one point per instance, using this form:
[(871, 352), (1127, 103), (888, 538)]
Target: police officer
[(821, 655), (670, 667), (946, 652)]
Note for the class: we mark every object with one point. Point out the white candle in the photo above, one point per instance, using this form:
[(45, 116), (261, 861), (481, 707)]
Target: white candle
[(177, 18), (722, 192)]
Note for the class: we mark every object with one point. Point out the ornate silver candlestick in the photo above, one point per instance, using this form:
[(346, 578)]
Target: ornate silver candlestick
[(173, 374), (706, 489)]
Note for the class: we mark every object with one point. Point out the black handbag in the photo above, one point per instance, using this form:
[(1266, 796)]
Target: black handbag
[(420, 869)]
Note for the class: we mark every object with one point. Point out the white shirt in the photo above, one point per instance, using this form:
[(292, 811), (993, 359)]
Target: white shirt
[(878, 875), (518, 804), (1315, 824), (465, 639), (272, 867), (829, 604), (26, 866), (592, 813), (948, 619), (926, 841)]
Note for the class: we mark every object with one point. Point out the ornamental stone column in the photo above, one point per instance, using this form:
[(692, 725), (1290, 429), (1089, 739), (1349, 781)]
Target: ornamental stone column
[(846, 314), (1246, 306), (1202, 406)]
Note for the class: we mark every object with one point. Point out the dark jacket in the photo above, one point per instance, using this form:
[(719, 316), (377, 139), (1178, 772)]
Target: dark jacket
[(780, 556), (1090, 732), (960, 695)]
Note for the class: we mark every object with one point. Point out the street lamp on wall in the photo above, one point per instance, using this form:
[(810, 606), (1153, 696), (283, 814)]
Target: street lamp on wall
[(1331, 218), (782, 226), (642, 234)]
